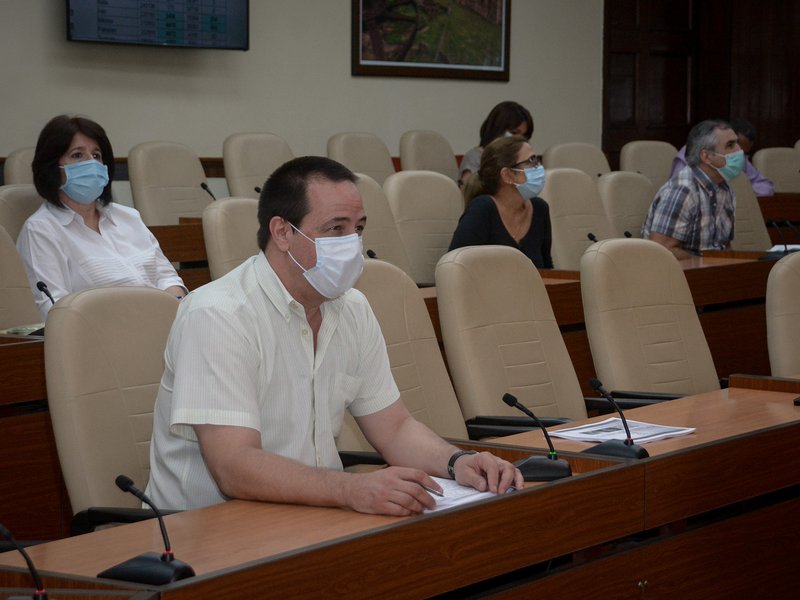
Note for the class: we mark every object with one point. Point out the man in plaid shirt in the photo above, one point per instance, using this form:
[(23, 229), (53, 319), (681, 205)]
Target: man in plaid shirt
[(695, 209)]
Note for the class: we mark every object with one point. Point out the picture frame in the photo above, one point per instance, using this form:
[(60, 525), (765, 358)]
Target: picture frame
[(455, 39)]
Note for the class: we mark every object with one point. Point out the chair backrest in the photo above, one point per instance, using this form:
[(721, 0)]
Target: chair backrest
[(426, 207), (250, 158), (781, 165), (414, 355), (165, 182), (783, 316), (500, 335), (576, 155), (797, 145), (362, 153), (17, 166), (230, 228), (626, 198), (104, 356), (423, 150), (575, 211), (17, 203), (750, 232), (651, 158), (381, 235), (17, 306), (642, 324)]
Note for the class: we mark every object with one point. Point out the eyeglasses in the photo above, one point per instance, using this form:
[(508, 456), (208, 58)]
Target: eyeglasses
[(533, 161)]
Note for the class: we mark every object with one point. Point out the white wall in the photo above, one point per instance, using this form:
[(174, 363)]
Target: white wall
[(295, 81)]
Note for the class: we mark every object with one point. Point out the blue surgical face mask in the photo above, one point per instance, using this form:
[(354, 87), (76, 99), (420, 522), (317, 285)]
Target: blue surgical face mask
[(734, 164), (85, 181), (534, 182)]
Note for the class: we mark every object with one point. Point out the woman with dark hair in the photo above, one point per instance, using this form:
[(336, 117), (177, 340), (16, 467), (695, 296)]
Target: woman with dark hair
[(78, 238), (503, 206), (506, 119)]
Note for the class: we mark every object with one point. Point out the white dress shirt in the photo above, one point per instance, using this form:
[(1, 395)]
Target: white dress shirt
[(241, 353), (59, 249)]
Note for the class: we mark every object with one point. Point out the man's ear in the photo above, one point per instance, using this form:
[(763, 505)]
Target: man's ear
[(280, 230)]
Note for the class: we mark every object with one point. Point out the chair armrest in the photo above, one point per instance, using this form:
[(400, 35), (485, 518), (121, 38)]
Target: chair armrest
[(603, 406), (516, 421), (658, 396), (351, 458), (88, 520)]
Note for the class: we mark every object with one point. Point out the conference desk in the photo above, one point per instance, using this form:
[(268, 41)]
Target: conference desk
[(714, 515), (779, 208)]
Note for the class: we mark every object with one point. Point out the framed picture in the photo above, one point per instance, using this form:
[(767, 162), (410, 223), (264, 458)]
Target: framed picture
[(462, 39)]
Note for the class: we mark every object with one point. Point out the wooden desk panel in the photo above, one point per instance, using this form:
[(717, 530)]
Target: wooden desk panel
[(790, 385), (266, 550), (21, 370)]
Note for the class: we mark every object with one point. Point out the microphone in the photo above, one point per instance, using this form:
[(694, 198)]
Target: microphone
[(627, 234), (150, 567), (257, 189), (592, 237), (204, 185), (774, 225), (539, 468), (619, 448), (42, 287), (371, 253), (40, 593)]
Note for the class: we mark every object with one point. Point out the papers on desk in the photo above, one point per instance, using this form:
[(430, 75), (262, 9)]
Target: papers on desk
[(782, 248), (612, 429), (456, 494), (22, 329)]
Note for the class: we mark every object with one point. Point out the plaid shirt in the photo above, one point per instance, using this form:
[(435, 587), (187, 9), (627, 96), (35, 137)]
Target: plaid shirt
[(693, 210)]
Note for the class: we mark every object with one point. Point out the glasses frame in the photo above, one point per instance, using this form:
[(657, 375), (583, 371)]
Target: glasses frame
[(537, 158)]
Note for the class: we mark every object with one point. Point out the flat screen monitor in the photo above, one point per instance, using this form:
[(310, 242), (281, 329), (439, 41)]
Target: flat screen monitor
[(222, 24)]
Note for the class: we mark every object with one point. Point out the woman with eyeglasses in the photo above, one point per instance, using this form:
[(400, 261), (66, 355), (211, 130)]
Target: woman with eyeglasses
[(503, 204), (79, 238)]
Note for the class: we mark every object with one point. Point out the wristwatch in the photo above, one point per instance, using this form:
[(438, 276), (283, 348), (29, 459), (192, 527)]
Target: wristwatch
[(451, 464)]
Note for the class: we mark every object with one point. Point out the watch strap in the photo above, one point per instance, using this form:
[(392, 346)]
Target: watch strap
[(451, 464)]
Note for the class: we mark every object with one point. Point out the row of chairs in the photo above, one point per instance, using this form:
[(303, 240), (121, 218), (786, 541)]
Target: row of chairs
[(499, 332)]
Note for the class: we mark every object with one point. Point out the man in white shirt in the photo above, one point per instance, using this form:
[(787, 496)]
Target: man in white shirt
[(262, 363)]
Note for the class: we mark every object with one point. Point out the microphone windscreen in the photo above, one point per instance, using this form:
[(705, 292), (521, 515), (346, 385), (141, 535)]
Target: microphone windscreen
[(595, 384), (124, 482), (509, 399), (41, 286)]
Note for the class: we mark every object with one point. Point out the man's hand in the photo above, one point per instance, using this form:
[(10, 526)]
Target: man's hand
[(484, 471), (394, 491)]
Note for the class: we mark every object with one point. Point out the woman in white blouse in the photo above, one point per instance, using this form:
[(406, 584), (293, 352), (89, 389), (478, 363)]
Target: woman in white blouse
[(78, 238)]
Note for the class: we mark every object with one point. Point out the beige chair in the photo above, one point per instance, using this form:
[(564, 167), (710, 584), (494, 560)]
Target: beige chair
[(651, 158), (575, 212), (797, 145), (643, 328), (576, 155), (230, 230), (500, 335), (422, 150), (783, 316), (362, 153), (750, 233), (380, 235), (17, 166), (104, 352), (17, 306), (626, 198), (414, 355), (165, 182), (781, 165), (17, 203), (426, 207), (250, 158)]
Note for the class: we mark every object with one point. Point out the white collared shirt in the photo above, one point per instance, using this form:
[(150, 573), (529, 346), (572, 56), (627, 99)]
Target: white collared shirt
[(241, 353), (58, 248)]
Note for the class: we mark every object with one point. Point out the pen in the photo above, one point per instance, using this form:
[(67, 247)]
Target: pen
[(432, 491)]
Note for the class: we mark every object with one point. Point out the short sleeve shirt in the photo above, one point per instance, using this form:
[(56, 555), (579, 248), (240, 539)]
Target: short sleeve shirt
[(241, 353), (693, 210)]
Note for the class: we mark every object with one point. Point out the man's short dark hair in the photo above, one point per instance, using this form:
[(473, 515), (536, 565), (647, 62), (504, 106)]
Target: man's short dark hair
[(702, 137), (745, 128), (54, 141), (284, 193)]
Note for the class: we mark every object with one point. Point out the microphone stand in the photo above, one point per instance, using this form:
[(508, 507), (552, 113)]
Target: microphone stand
[(539, 468), (618, 448)]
